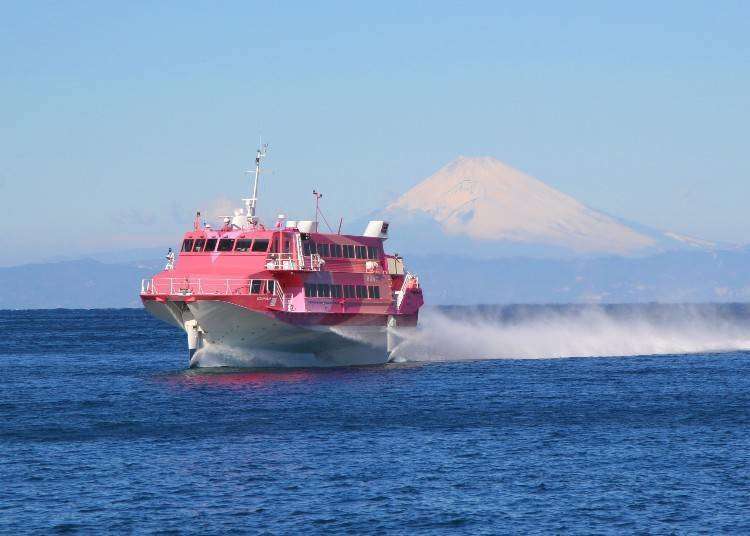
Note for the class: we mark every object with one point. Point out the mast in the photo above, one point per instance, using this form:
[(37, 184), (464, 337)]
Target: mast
[(317, 195), (250, 203)]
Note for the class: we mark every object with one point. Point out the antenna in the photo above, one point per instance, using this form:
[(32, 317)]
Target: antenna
[(319, 212), (251, 202), (317, 195)]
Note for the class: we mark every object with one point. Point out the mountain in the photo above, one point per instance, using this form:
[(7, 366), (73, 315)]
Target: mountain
[(481, 207), (78, 284), (691, 276)]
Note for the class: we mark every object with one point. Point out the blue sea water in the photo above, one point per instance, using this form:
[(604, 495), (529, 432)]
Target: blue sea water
[(102, 429)]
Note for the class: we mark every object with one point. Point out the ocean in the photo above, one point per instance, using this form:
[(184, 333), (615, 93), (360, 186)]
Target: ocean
[(493, 420)]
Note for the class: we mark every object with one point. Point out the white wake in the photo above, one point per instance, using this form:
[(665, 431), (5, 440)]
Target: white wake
[(550, 332)]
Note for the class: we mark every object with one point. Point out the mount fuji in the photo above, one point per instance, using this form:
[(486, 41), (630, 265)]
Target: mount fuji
[(484, 208)]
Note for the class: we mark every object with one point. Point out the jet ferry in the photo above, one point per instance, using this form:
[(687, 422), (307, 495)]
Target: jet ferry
[(285, 295)]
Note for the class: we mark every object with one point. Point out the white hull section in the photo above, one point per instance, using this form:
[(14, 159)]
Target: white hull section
[(224, 334)]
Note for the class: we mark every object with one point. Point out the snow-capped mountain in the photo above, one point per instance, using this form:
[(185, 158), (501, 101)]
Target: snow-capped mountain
[(481, 206)]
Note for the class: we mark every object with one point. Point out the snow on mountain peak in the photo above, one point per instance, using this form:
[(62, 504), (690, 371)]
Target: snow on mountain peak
[(485, 199)]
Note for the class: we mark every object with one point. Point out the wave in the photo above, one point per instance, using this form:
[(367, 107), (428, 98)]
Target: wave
[(219, 355), (542, 332)]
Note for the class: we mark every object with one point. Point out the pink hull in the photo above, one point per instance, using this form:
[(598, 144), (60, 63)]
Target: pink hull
[(328, 296)]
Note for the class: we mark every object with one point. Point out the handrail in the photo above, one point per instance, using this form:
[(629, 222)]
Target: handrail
[(187, 286), (291, 262), (279, 293)]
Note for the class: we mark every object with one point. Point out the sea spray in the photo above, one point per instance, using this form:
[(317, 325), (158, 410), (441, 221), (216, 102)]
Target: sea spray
[(539, 332), (219, 355)]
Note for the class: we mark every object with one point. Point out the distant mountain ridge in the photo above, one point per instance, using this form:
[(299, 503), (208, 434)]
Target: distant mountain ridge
[(672, 277), (75, 284)]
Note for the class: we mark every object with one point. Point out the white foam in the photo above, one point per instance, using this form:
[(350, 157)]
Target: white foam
[(219, 355), (586, 332)]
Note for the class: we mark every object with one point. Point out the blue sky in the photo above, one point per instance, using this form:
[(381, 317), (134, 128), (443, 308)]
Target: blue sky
[(119, 120)]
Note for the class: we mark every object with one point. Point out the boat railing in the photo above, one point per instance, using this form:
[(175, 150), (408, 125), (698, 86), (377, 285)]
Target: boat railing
[(188, 286), (280, 299), (291, 262)]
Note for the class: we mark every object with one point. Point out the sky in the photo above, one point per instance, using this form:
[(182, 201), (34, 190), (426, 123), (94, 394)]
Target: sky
[(119, 120)]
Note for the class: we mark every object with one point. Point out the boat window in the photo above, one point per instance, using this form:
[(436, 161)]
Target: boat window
[(372, 252), (373, 292), (323, 250), (256, 285), (187, 245), (361, 252), (324, 290), (349, 291), (348, 251), (225, 244), (260, 245), (308, 247), (287, 245), (361, 291), (198, 246), (336, 250), (311, 290), (271, 286), (243, 245), (210, 244), (336, 291)]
